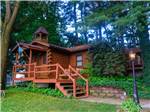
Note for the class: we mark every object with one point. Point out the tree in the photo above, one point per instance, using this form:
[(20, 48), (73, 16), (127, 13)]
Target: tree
[(5, 40), (107, 61), (129, 22), (41, 13)]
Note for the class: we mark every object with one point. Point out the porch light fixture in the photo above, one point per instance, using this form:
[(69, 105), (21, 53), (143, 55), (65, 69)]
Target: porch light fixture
[(132, 56)]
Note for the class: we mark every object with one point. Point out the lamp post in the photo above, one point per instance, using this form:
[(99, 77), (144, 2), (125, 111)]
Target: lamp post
[(135, 91)]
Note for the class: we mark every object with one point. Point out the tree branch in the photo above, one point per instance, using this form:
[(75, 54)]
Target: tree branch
[(7, 16), (8, 11), (14, 14)]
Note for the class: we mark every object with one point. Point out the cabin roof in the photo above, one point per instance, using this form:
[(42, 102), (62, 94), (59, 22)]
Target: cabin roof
[(79, 48), (34, 45), (28, 46), (41, 30), (73, 49), (136, 50)]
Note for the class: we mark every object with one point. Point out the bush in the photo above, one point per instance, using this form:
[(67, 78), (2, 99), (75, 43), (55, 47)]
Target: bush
[(89, 69), (31, 87), (124, 83), (130, 106), (107, 61)]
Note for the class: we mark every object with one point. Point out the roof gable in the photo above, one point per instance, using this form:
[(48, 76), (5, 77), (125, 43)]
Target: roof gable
[(41, 30)]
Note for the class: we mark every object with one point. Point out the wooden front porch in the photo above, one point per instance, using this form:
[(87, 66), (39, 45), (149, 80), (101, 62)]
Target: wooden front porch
[(64, 79)]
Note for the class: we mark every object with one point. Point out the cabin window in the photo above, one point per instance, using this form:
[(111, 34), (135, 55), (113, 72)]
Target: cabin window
[(79, 60)]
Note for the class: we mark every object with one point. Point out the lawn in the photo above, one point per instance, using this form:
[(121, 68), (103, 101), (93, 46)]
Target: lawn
[(23, 101)]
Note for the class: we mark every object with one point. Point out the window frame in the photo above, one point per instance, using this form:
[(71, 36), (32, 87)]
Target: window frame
[(79, 60)]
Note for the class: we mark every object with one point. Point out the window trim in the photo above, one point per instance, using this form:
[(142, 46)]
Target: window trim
[(79, 60)]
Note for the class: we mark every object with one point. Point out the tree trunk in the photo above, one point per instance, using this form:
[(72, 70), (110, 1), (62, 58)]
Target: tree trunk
[(7, 26)]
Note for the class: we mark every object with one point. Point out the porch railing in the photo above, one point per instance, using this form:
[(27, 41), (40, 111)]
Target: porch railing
[(31, 70), (23, 71), (74, 71)]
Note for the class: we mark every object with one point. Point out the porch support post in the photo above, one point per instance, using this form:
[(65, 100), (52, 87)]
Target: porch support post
[(16, 58), (30, 61), (14, 75)]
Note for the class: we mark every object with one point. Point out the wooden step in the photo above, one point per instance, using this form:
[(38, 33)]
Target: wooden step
[(78, 94), (68, 86), (64, 81), (71, 90), (62, 75), (74, 75), (64, 84)]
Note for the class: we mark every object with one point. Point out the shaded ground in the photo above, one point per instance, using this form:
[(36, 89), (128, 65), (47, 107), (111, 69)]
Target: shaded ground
[(21, 101), (144, 103)]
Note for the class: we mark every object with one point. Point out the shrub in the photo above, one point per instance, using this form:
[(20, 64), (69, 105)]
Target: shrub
[(107, 61), (130, 106), (89, 69), (124, 83), (31, 87)]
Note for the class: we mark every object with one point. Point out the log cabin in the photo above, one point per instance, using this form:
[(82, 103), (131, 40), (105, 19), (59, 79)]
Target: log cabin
[(47, 63)]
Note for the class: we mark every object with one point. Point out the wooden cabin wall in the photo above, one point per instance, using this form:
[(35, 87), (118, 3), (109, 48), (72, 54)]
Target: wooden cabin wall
[(60, 57), (38, 58), (73, 59)]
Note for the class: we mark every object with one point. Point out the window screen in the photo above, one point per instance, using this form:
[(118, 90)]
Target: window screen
[(79, 60)]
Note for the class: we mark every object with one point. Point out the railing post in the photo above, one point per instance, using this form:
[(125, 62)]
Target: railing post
[(57, 71), (34, 70), (87, 89), (13, 83), (28, 70), (74, 88)]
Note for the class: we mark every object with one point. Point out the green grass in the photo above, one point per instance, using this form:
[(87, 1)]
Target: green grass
[(23, 101)]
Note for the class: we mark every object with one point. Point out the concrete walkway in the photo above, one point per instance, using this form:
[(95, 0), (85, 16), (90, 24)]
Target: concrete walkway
[(144, 103)]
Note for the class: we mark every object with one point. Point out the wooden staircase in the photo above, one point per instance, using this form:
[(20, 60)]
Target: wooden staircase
[(67, 83), (68, 87)]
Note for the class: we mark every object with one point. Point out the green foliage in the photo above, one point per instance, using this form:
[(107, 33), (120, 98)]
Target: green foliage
[(129, 21), (31, 87), (89, 69), (32, 15), (130, 106), (106, 61), (124, 83)]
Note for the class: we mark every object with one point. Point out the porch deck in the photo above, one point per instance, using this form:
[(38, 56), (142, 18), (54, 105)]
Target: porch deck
[(53, 73)]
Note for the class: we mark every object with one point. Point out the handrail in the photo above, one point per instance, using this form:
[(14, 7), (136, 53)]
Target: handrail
[(65, 71), (72, 79), (15, 67), (24, 65), (41, 66), (70, 67), (87, 90)]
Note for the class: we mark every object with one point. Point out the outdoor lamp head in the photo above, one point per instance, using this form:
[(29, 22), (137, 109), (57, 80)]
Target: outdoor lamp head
[(132, 55)]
